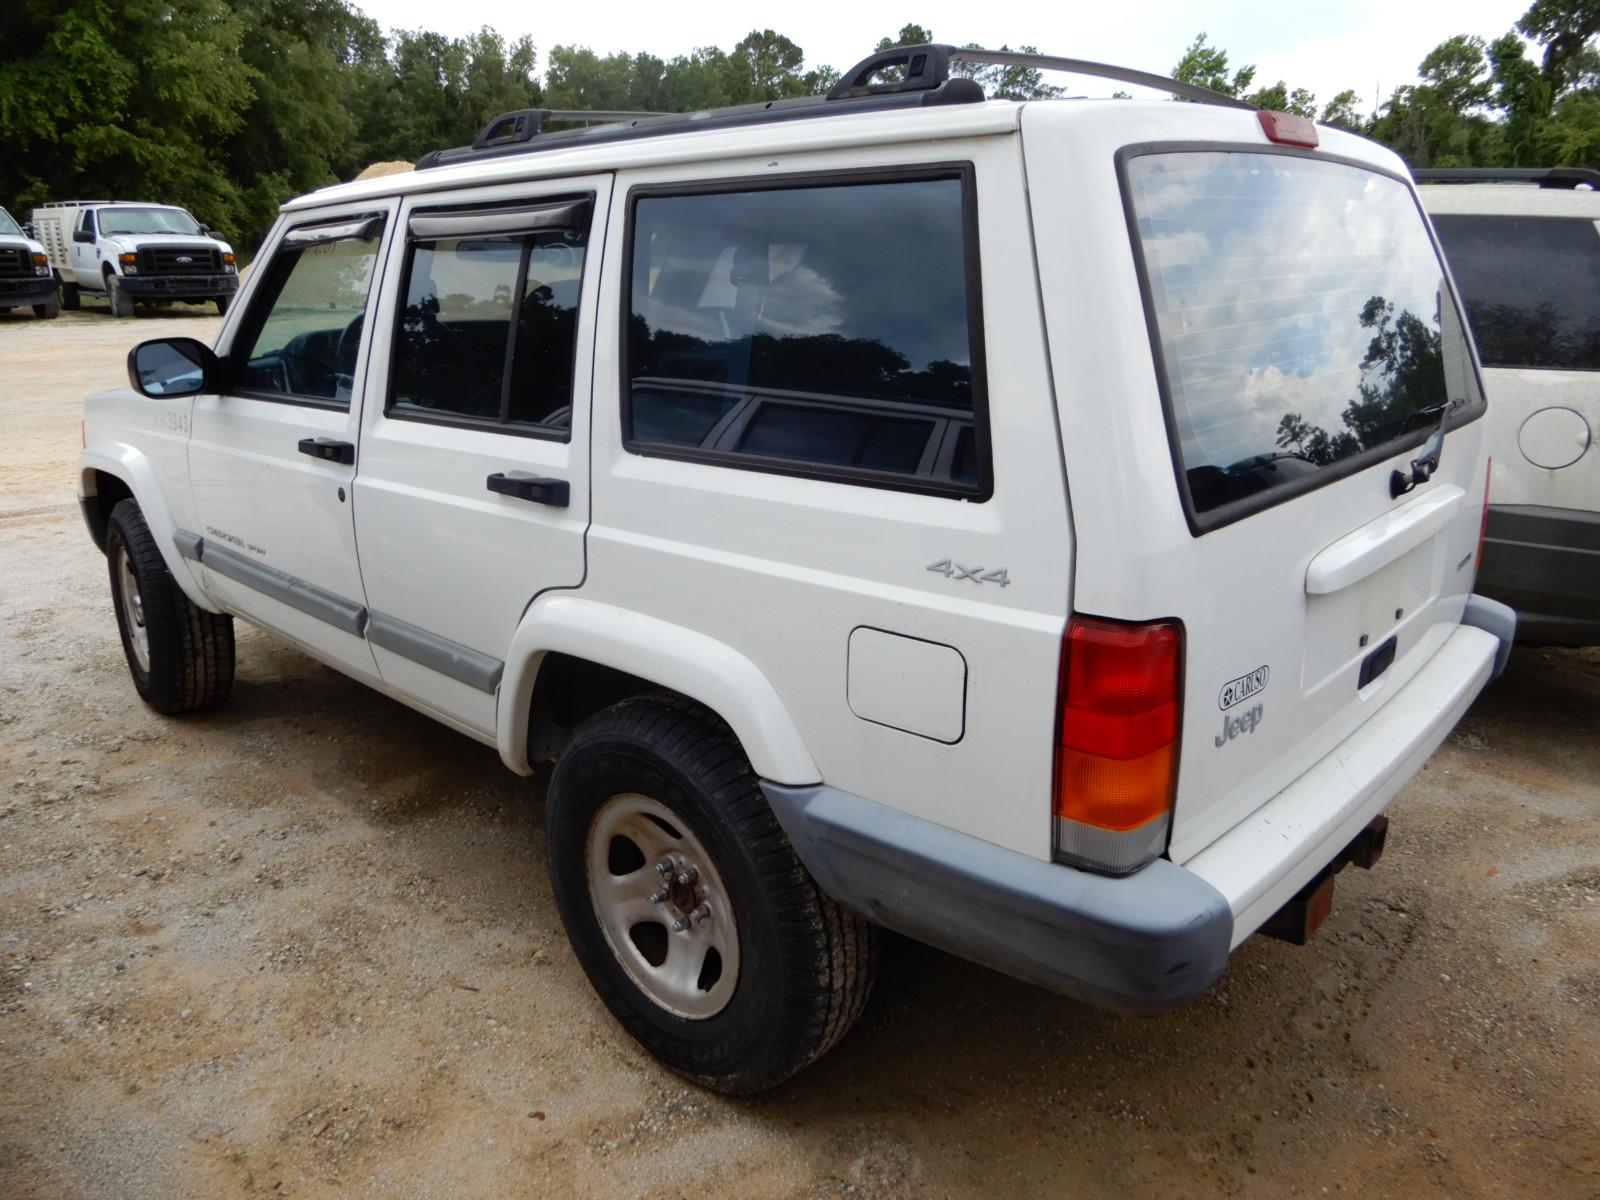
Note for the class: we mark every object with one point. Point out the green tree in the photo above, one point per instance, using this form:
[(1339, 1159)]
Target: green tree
[(1207, 66)]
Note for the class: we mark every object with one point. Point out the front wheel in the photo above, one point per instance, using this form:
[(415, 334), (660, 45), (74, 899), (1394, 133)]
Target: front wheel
[(121, 301), (222, 304), (686, 905), (49, 310), (180, 656)]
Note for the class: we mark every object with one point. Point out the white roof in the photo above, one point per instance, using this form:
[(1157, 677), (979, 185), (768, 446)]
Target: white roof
[(1509, 199)]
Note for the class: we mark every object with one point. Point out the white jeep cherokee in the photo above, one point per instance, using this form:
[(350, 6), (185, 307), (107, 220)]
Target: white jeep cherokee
[(1044, 529)]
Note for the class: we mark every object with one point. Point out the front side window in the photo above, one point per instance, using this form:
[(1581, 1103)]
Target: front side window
[(313, 305), (825, 330), (489, 330), (1302, 317), (1531, 286)]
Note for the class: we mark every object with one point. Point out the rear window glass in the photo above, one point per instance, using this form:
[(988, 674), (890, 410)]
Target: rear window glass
[(825, 329), (1531, 286), (1302, 317)]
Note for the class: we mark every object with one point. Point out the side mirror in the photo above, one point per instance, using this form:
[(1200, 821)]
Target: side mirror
[(27, 228), (82, 235), (205, 231), (164, 368)]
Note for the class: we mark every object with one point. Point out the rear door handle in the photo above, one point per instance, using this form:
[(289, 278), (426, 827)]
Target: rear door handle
[(329, 449), (554, 492)]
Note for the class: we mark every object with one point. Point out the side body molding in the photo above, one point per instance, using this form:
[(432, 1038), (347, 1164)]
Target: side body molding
[(700, 667), (134, 469)]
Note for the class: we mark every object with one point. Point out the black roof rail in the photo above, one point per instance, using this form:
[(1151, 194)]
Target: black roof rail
[(1545, 177), (926, 80)]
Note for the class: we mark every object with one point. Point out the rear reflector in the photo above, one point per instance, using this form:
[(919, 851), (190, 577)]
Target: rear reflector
[(1286, 129), (1116, 742)]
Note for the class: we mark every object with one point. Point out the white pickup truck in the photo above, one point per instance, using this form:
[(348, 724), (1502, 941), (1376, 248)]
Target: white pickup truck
[(25, 279), (133, 253)]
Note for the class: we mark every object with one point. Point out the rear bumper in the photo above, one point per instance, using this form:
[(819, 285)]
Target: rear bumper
[(1545, 563), (1145, 942), (179, 287), (17, 293)]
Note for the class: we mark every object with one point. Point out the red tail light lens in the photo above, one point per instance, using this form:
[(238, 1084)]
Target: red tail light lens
[(1116, 742), (1286, 129)]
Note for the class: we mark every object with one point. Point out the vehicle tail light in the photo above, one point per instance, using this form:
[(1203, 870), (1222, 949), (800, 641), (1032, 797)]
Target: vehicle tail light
[(1287, 129), (1483, 525), (1116, 742)]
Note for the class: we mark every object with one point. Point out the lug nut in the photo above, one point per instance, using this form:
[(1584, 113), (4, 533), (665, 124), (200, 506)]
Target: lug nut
[(679, 926), (703, 913), (657, 896), (664, 867), (688, 875)]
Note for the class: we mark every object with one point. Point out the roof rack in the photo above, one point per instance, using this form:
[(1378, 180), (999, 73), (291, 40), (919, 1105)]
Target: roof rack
[(926, 80), (1545, 177)]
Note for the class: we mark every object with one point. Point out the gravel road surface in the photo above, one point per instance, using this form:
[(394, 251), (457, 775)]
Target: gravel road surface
[(305, 947)]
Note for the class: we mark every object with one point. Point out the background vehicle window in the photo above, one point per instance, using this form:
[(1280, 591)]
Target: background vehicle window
[(476, 306), (823, 326), (1302, 314), (315, 300), (1531, 286)]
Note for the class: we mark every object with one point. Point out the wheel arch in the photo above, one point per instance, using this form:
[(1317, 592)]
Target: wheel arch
[(107, 476), (654, 654)]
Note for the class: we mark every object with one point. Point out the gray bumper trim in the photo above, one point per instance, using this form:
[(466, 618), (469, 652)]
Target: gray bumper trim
[(286, 589), (1493, 617), (1545, 563), (190, 545), (1138, 944), (461, 663)]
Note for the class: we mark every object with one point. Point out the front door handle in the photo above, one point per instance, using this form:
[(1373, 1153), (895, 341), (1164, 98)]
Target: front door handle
[(329, 449), (554, 492)]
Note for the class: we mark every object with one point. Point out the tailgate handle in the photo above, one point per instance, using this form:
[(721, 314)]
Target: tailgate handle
[(1376, 663), (329, 449), (1378, 543), (554, 492)]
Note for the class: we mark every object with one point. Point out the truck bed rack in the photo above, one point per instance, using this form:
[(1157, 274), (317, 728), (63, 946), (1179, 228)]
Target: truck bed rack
[(925, 80)]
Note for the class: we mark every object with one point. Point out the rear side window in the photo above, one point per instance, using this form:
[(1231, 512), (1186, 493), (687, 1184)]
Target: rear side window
[(1302, 319), (826, 330), (1531, 286), (488, 333)]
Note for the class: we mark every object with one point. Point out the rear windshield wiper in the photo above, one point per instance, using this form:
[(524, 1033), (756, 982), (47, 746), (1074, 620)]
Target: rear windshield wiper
[(1425, 464)]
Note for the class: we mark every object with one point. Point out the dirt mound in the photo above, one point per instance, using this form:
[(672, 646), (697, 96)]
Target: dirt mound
[(379, 169)]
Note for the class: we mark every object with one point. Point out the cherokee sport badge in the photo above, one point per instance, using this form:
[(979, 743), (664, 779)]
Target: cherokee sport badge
[(1236, 691)]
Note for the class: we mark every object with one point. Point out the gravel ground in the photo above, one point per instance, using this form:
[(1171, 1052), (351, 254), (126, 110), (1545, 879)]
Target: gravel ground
[(306, 947)]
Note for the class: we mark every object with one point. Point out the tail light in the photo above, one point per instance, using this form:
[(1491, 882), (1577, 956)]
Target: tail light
[(1483, 525), (1116, 742)]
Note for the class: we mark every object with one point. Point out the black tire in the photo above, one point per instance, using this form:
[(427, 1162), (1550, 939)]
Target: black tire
[(69, 297), (222, 304), (806, 964), (121, 301), (49, 310), (190, 651)]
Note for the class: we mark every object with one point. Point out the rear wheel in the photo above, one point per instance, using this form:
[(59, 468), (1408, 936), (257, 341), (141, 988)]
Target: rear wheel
[(121, 301), (49, 310), (69, 297), (180, 656), (686, 905)]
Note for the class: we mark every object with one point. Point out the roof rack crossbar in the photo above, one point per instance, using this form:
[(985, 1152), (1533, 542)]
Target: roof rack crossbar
[(1545, 177)]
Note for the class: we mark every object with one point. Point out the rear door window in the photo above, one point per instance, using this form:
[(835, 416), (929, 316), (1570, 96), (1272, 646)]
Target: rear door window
[(1531, 286), (827, 329), (1301, 316)]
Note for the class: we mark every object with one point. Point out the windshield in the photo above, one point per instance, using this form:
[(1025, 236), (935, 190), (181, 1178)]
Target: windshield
[(147, 220), (1303, 319), (8, 227), (1531, 286)]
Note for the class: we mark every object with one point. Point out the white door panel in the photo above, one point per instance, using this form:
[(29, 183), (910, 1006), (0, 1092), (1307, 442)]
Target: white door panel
[(449, 564), (278, 534)]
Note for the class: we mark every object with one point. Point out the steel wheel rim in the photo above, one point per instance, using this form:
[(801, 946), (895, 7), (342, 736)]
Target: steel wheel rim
[(681, 915), (132, 610)]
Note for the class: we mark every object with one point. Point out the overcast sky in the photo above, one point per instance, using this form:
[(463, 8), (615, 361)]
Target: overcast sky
[(1360, 44)]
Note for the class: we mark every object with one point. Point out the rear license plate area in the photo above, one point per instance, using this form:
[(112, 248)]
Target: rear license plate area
[(1376, 663)]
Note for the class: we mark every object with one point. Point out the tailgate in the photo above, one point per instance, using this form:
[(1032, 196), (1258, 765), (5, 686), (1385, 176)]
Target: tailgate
[(1302, 342)]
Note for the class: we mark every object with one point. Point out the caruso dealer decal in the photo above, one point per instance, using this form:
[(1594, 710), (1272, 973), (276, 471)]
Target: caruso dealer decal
[(1237, 691)]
